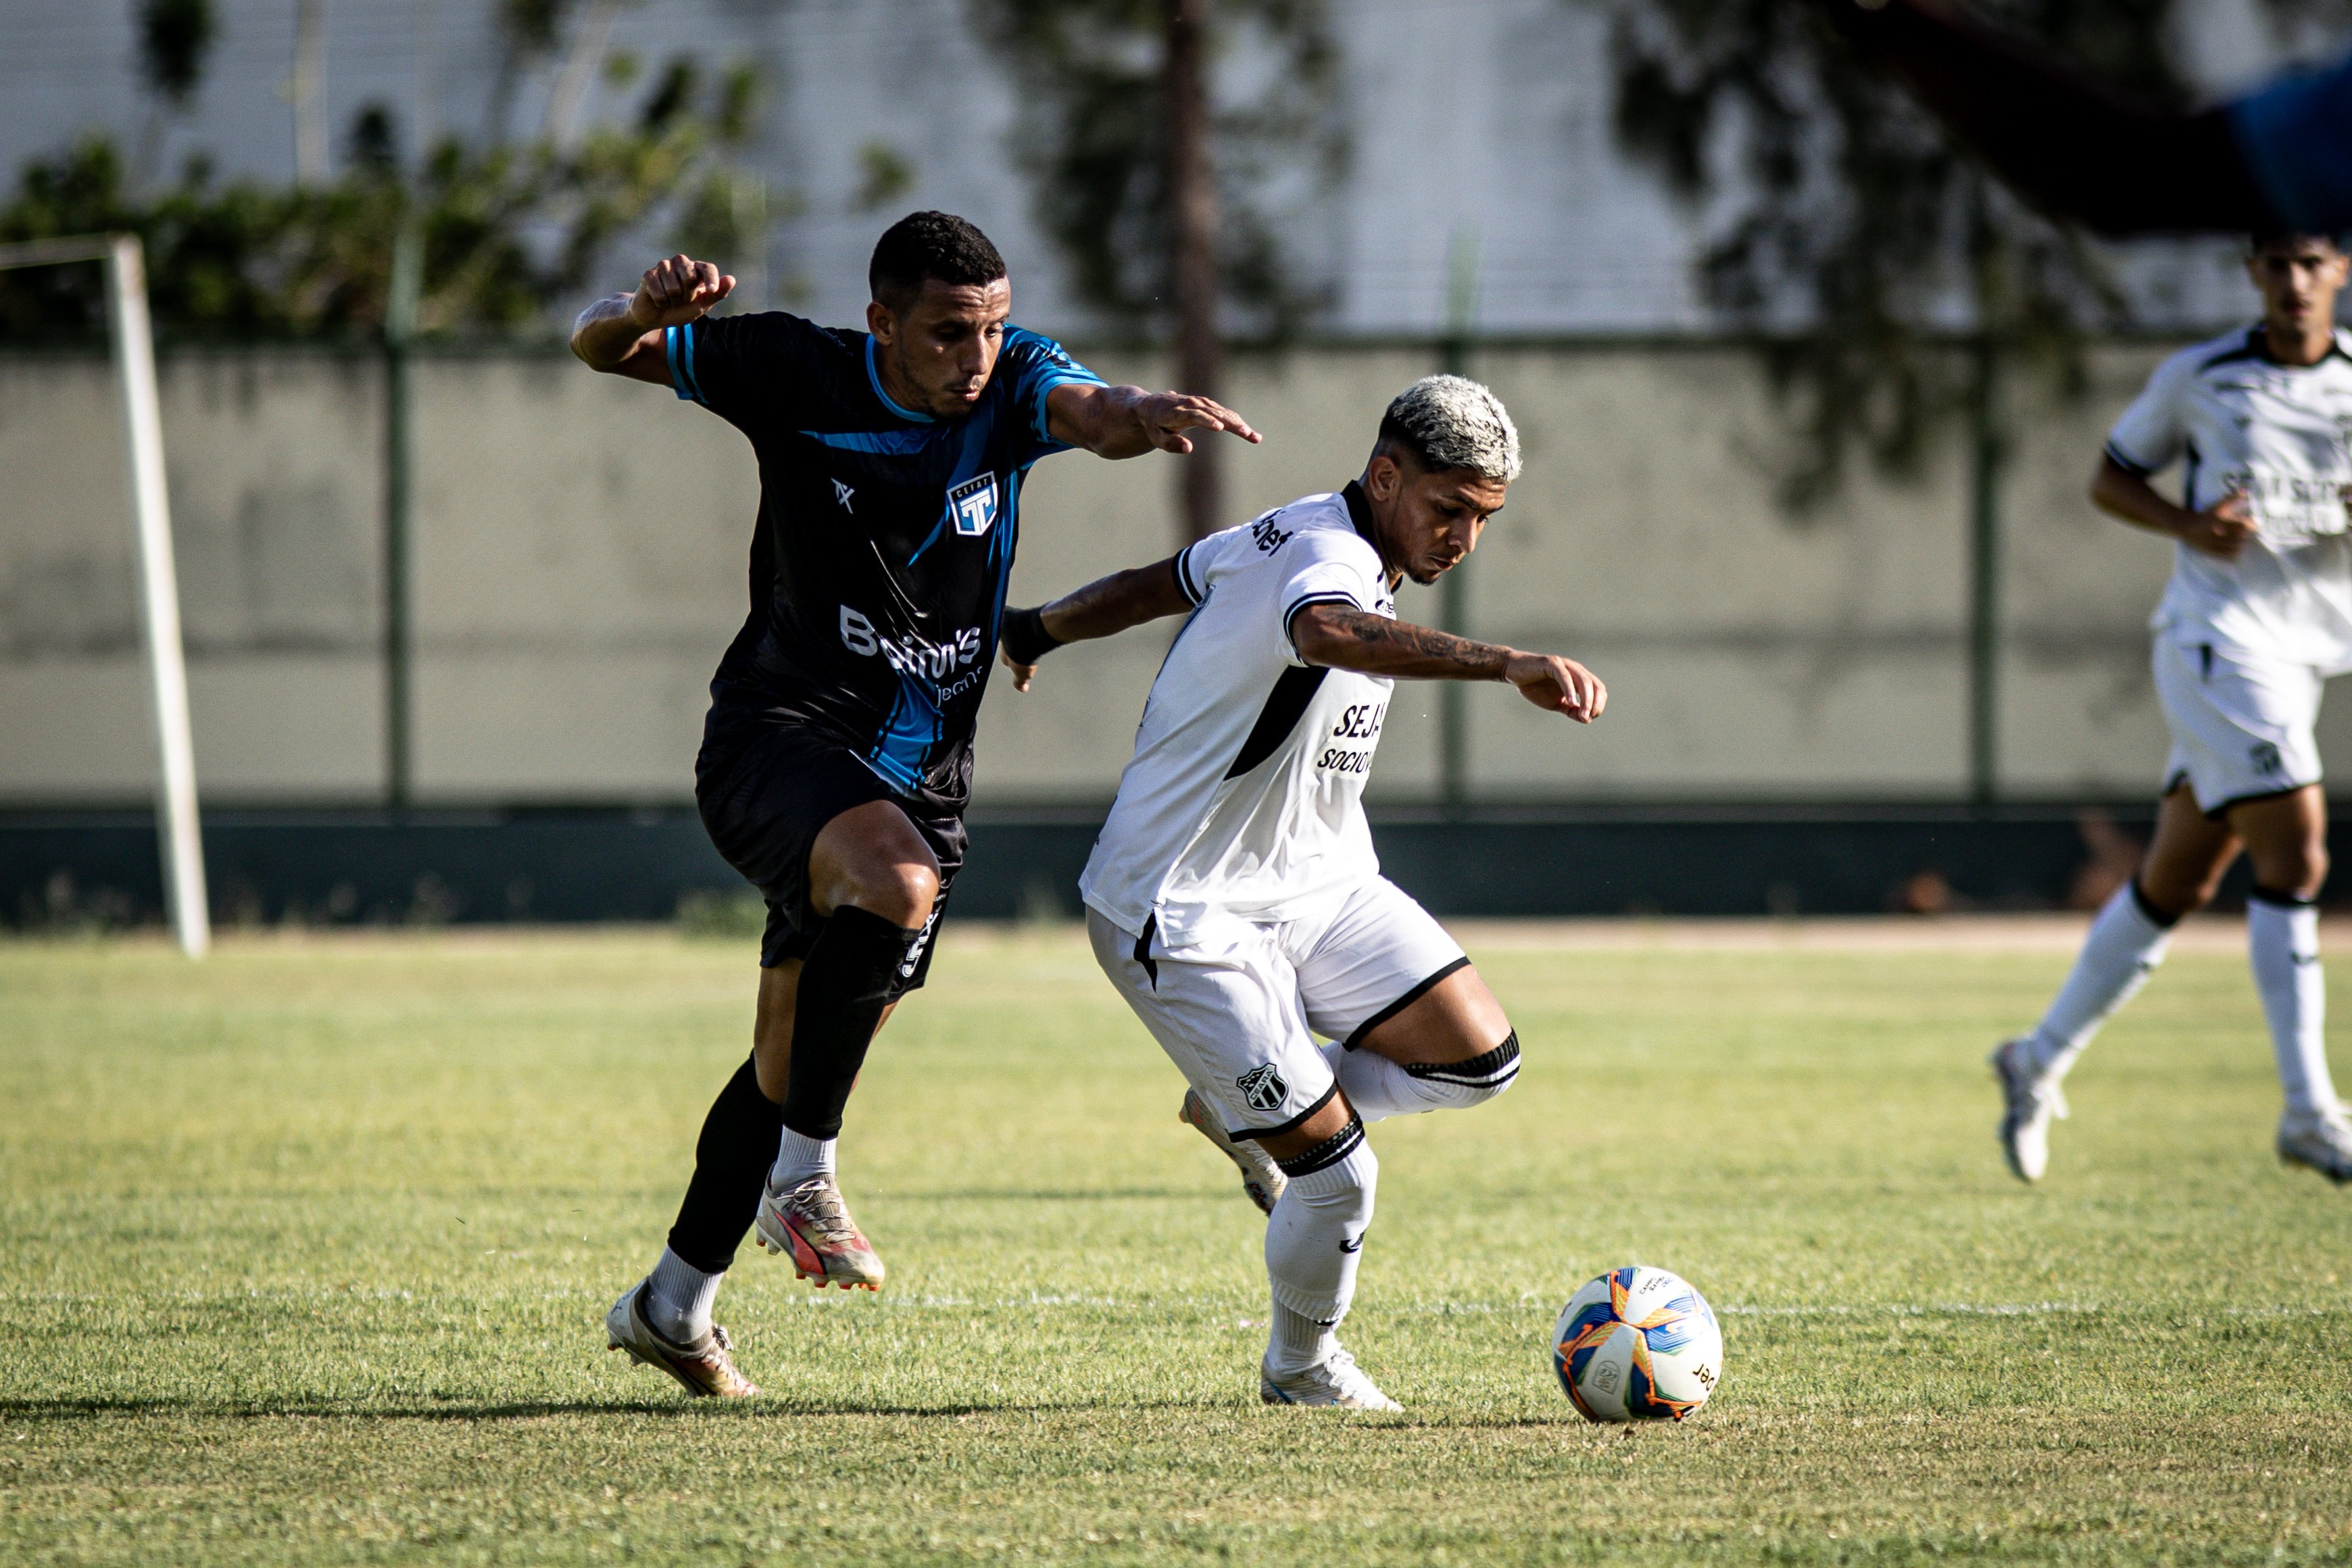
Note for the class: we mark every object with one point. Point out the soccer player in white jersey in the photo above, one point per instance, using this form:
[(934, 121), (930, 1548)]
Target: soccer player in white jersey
[(2258, 614), (1233, 898)]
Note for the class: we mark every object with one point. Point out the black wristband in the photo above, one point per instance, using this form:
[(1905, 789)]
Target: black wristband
[(1024, 637)]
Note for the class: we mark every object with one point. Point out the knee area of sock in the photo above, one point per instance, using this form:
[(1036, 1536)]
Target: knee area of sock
[(1458, 1086), (1339, 1174), (2283, 896)]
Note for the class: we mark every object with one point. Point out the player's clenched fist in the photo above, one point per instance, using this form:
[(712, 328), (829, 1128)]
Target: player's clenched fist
[(676, 291), (1559, 685), (2222, 530)]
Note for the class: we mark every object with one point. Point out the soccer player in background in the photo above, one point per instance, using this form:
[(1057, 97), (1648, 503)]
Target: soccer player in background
[(2277, 158), (1233, 898), (2258, 614), (836, 756)]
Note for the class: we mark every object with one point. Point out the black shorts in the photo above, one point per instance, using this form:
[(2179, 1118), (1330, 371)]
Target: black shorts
[(766, 787)]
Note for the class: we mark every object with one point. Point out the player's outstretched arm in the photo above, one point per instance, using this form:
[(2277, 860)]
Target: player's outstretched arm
[(622, 335), (2221, 531), (2063, 142), (1126, 421), (1345, 638), (1103, 608)]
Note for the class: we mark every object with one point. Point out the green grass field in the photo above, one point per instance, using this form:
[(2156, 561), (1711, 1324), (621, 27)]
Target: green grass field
[(304, 1251)]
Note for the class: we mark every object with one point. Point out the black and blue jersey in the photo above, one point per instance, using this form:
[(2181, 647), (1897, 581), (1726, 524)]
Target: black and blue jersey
[(885, 539)]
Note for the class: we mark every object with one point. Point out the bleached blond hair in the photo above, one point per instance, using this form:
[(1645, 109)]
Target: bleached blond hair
[(1453, 422)]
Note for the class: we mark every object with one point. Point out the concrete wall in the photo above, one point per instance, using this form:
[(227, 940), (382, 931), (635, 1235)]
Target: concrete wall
[(580, 565)]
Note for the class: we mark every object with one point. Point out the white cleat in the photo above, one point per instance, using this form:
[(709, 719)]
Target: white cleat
[(2028, 1105), (1336, 1383), (2320, 1140), (1262, 1179), (705, 1368)]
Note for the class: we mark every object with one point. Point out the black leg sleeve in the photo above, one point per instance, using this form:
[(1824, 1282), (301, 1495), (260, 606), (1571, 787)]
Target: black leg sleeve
[(845, 985), (731, 1166)]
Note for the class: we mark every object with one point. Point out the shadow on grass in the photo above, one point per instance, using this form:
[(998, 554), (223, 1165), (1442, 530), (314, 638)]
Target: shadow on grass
[(525, 1410), (1052, 1195)]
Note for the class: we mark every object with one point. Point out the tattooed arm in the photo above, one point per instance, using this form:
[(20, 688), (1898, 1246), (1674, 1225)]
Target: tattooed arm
[(1103, 608), (1345, 638)]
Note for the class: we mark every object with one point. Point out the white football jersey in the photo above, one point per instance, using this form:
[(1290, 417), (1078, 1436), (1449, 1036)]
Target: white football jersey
[(1245, 798), (2239, 421)]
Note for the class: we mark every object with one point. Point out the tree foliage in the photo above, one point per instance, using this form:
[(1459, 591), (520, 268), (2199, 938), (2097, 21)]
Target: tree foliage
[(507, 230), (1853, 231), (1091, 135), (174, 37)]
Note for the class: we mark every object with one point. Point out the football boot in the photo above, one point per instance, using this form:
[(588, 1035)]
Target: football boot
[(2027, 1104), (706, 1368), (1262, 1179), (1335, 1383), (810, 1225), (2319, 1140)]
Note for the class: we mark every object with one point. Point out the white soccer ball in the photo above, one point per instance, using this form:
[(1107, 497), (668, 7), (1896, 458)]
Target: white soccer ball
[(1637, 1345)]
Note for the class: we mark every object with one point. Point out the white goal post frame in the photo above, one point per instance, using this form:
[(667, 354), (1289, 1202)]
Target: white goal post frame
[(134, 339)]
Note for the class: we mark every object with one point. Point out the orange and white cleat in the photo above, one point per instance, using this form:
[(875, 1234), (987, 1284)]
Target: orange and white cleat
[(705, 1369), (811, 1225)]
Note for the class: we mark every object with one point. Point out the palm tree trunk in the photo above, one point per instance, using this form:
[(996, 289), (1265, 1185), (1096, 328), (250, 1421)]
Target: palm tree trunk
[(309, 91), (1193, 230)]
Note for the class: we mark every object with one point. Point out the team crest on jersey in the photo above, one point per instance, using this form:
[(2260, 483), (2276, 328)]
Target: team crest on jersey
[(1262, 1087), (972, 504)]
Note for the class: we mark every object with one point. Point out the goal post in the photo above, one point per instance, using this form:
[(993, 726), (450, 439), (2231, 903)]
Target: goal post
[(132, 337)]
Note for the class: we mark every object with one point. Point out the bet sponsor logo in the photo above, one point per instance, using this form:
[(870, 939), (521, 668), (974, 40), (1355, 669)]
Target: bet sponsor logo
[(933, 660)]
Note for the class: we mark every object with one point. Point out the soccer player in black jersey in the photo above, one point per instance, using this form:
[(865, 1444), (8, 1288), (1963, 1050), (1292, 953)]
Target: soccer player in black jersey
[(836, 758)]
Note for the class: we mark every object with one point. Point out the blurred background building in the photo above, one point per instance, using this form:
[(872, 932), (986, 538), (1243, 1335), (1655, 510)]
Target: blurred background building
[(1866, 641)]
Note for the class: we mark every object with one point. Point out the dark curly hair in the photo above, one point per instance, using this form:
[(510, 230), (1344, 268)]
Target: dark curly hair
[(927, 244)]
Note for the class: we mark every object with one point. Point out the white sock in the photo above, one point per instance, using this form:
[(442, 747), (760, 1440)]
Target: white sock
[(1375, 1086), (1312, 1243), (798, 1158), (1378, 1088), (2123, 948), (679, 1305), (1298, 1342), (2282, 947)]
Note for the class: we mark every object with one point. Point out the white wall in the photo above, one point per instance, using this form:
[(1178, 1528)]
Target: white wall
[(1490, 118), (580, 563)]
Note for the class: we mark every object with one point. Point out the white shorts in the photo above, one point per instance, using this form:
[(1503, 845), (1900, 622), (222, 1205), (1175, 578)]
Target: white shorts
[(1238, 1011), (2241, 728)]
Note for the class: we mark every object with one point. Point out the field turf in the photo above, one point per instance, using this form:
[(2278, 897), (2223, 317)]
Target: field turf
[(304, 1251)]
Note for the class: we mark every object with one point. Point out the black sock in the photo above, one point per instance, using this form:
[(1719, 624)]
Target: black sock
[(731, 1167), (845, 985)]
